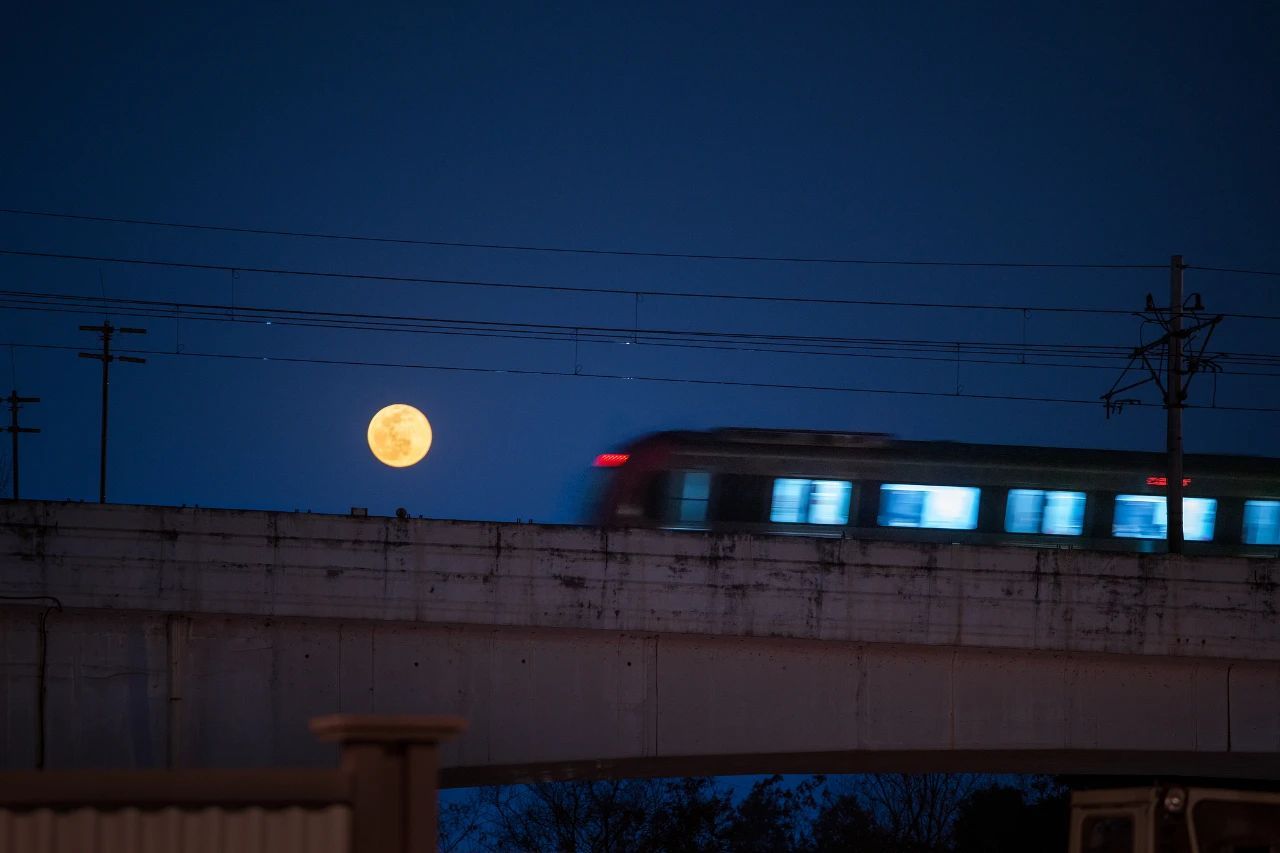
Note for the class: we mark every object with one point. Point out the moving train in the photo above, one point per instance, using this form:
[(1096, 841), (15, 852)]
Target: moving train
[(872, 486)]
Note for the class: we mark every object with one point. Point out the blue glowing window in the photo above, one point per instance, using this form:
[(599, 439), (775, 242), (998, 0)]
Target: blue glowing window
[(942, 507), (797, 501), (687, 494), (1040, 511), (1146, 517), (1262, 522)]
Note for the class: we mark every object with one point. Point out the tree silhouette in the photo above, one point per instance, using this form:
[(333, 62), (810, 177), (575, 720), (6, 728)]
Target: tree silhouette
[(772, 817), (1000, 819), (880, 813)]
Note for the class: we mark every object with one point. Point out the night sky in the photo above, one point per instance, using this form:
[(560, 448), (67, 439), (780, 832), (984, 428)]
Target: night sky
[(1013, 132)]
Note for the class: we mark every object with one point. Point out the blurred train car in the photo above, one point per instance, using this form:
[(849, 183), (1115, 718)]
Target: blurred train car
[(871, 486)]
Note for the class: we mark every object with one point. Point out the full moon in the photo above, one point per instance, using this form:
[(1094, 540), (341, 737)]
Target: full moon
[(399, 435)]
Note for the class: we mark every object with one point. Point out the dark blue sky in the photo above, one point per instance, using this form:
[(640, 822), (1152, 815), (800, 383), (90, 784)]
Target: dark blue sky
[(1013, 132)]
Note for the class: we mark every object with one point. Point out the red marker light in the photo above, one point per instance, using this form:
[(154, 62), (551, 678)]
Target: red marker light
[(1164, 481), (611, 460)]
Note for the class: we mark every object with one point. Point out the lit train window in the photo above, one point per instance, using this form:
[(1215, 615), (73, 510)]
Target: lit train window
[(687, 494), (1262, 522), (942, 507), (798, 501), (1040, 511), (1145, 517)]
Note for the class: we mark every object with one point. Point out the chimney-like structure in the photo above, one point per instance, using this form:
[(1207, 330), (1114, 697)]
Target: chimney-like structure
[(392, 763)]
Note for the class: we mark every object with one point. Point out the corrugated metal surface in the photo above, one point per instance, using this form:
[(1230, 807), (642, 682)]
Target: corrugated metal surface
[(209, 830)]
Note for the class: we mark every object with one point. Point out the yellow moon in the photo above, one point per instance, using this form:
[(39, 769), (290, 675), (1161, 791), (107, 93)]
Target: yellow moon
[(399, 435)]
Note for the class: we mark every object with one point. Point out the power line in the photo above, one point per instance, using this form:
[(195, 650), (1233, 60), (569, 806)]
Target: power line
[(883, 348), (1236, 271), (638, 378), (1007, 354), (223, 311), (514, 247), (611, 291), (557, 288), (872, 348)]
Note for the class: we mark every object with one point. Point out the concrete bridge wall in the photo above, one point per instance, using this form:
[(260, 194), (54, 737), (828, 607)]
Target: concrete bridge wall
[(190, 637)]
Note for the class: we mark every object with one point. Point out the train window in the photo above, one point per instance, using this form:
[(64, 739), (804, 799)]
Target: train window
[(1107, 834), (1145, 517), (1262, 522), (799, 501), (943, 507), (687, 494), (1237, 825), (1040, 511)]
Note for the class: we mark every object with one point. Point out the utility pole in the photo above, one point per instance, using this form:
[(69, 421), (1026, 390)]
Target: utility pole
[(1174, 396), (1183, 360), (107, 330), (15, 403)]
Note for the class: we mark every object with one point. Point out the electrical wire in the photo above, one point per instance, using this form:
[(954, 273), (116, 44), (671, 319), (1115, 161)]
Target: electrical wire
[(556, 288), (613, 291), (685, 380), (870, 352), (1272, 273), (947, 351), (189, 309), (155, 223)]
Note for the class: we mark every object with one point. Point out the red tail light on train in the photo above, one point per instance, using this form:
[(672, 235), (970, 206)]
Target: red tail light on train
[(611, 460)]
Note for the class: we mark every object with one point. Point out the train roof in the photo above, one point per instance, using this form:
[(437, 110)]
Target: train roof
[(860, 443)]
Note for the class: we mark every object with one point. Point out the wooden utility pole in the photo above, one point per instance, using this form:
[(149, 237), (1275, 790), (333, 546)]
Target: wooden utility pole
[(1174, 396), (15, 403), (107, 330)]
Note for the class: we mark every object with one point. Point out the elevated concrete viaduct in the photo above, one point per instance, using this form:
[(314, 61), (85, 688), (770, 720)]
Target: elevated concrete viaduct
[(151, 636)]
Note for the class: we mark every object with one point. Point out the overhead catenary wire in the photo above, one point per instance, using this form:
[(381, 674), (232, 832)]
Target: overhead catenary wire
[(883, 350), (613, 291), (906, 349), (693, 339), (947, 351), (224, 311), (575, 250), (685, 380), (561, 288), (1235, 271)]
